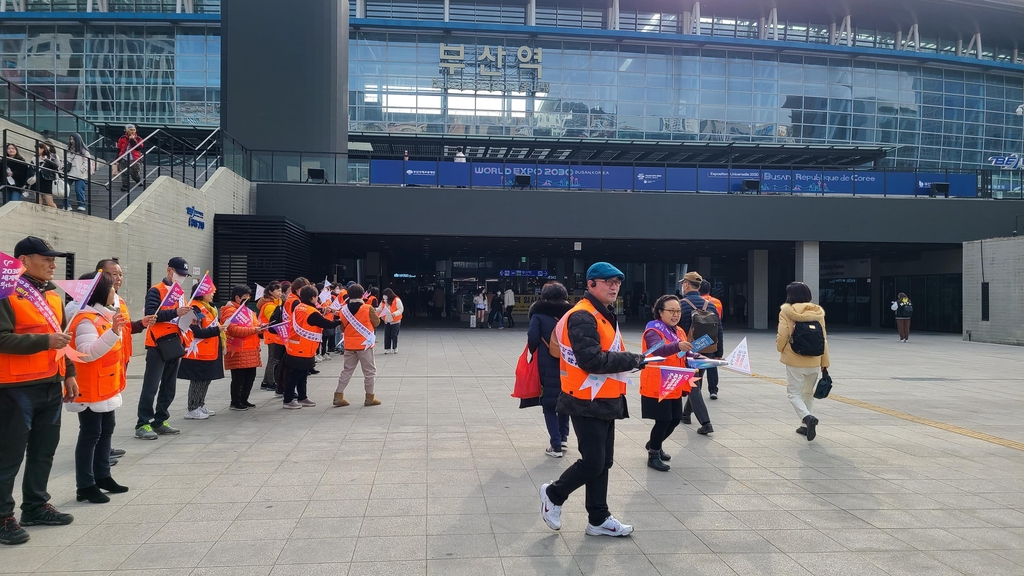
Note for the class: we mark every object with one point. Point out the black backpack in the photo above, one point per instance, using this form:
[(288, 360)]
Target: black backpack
[(704, 322), (808, 339)]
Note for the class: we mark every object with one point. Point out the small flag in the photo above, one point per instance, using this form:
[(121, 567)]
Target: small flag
[(325, 294), (672, 379), (79, 291), (242, 315), (326, 283), (281, 330), (739, 359), (10, 270), (260, 291), (173, 295), (204, 287)]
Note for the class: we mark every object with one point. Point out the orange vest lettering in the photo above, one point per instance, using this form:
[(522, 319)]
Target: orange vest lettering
[(18, 368), (304, 338), (650, 377), (247, 342), (105, 377), (265, 313), (161, 329), (575, 381), (205, 348), (357, 336)]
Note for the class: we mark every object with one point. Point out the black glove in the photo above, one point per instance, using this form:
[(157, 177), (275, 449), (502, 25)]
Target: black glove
[(641, 361)]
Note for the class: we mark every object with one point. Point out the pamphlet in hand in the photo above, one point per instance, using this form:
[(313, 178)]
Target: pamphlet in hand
[(702, 343), (703, 363)]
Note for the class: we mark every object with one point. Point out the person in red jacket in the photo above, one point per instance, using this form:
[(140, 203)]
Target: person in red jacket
[(130, 164)]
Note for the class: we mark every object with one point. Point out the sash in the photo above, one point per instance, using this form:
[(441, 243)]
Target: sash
[(668, 335), (369, 335), (26, 290), (307, 334)]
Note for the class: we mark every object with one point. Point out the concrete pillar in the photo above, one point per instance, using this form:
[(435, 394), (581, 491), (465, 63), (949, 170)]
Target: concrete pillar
[(808, 267), (757, 289), (704, 267)]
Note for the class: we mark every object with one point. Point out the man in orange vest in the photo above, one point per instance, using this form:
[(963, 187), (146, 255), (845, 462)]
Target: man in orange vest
[(594, 363), (359, 321), (162, 356), (705, 293), (31, 392)]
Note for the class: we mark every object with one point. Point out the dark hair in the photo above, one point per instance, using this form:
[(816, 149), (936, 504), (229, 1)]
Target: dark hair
[(705, 287), (355, 292), (797, 293), (240, 291), (375, 292), (103, 288), (901, 296), (17, 152), (389, 294), (298, 284), (45, 147), (274, 285), (659, 304), (103, 263), (286, 286), (307, 294), (554, 291)]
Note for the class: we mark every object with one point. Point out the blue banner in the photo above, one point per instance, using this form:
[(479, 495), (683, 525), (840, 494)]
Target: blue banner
[(553, 176), (420, 173), (588, 177), (618, 178), (926, 179), (386, 172), (807, 181), (777, 180), (900, 183), (838, 182), (869, 183), (963, 185), (712, 180), (488, 174), (648, 179), (512, 170), (453, 174), (681, 179)]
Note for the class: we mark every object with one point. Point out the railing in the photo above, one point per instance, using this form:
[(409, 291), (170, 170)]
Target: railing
[(98, 194), (167, 6), (40, 115)]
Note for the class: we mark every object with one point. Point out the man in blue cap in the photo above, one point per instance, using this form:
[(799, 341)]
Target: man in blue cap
[(593, 364)]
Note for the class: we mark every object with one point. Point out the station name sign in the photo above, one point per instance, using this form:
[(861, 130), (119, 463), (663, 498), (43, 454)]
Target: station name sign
[(1011, 162), (494, 69)]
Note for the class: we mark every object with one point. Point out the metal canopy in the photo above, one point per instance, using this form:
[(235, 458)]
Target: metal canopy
[(688, 153)]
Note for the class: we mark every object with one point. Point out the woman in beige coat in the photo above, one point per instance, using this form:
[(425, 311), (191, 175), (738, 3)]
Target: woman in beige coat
[(801, 370)]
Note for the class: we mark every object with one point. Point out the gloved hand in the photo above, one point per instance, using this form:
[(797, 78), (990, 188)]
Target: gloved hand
[(641, 361)]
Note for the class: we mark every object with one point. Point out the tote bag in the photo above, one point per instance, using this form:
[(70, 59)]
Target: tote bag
[(527, 376)]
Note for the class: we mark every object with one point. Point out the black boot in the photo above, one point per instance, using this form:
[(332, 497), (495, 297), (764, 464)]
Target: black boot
[(664, 457), (811, 423), (654, 461), (109, 485), (705, 429), (802, 430), (92, 494)]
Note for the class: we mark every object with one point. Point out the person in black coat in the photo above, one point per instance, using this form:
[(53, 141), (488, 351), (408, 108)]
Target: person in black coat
[(200, 373), (544, 315), (694, 401)]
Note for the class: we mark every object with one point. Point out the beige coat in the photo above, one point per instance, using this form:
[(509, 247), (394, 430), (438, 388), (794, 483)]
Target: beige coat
[(789, 315)]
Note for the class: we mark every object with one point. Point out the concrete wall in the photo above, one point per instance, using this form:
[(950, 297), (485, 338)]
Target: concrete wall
[(1000, 262), (153, 229)]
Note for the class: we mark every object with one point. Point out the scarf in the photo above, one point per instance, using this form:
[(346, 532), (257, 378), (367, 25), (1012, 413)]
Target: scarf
[(213, 310)]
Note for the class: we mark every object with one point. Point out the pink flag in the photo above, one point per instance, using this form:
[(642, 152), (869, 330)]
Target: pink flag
[(10, 271), (672, 379), (78, 290), (281, 330), (204, 287), (173, 295), (242, 316)]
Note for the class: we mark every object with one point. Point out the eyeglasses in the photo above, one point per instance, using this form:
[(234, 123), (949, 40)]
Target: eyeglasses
[(614, 282), (673, 311)]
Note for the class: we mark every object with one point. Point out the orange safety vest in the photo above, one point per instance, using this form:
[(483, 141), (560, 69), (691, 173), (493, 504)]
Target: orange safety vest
[(207, 348), (716, 302), (574, 380), (18, 368), (395, 318), (161, 329), (650, 377), (105, 377), (126, 333), (304, 338), (265, 313), (370, 300), (353, 339), (246, 343)]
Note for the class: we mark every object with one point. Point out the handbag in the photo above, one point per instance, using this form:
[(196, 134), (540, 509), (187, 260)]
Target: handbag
[(527, 376), (60, 189), (824, 386), (169, 347)]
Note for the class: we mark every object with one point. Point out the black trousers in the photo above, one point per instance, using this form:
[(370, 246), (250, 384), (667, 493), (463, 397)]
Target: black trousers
[(661, 430), (275, 352), (29, 432), (92, 454), (295, 388), (158, 383), (508, 316), (711, 377), (597, 446), (391, 335), (241, 384), (695, 403)]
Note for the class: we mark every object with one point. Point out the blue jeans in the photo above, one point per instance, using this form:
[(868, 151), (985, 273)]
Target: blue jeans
[(80, 192), (558, 428), (13, 194)]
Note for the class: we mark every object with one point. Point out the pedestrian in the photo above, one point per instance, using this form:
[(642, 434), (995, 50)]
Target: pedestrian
[(904, 310), (80, 167), (663, 333), (509, 300), (359, 321), (204, 358), (371, 297), (438, 301), (17, 175), (306, 326), (46, 172), (97, 335), (544, 316), (391, 311), (739, 305), (267, 305), (164, 349), (803, 344), (593, 368), (711, 374), (497, 314), (480, 303), (129, 154), (460, 156), (34, 383), (694, 306), (242, 346)]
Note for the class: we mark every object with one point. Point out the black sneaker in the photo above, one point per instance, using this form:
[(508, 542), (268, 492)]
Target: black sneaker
[(714, 395), (802, 430), (45, 515), (705, 429), (116, 452), (248, 404), (11, 532), (313, 371), (686, 419)]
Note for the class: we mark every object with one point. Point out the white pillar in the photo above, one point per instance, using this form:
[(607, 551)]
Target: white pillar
[(757, 289), (531, 13), (447, 9), (808, 267)]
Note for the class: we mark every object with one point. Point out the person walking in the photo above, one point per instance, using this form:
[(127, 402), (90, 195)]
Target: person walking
[(802, 343), (97, 334), (390, 311), (544, 315), (359, 322), (509, 300), (904, 310), (497, 310), (691, 303), (129, 152), (267, 305), (480, 303), (242, 351), (712, 373), (301, 345), (204, 358), (17, 174), (664, 334), (80, 167), (593, 368), (46, 171), (164, 349), (34, 383)]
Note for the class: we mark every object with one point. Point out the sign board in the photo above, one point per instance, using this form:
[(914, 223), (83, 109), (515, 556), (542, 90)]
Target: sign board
[(490, 68), (524, 273), (845, 269)]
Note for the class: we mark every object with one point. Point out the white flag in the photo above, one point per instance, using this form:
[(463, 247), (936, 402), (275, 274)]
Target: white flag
[(325, 295), (260, 290), (739, 360), (326, 283)]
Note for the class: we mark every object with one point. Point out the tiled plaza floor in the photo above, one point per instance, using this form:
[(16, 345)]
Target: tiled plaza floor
[(443, 477)]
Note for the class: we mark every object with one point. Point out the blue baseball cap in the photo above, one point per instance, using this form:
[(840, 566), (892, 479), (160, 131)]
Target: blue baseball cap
[(604, 271)]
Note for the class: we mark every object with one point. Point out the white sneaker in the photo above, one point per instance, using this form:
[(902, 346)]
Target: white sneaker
[(207, 411), (319, 358), (611, 527), (327, 356), (196, 414), (553, 453), (293, 405), (551, 514)]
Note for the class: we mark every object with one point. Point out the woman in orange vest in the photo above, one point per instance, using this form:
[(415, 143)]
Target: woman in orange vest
[(275, 346), (202, 363), (242, 356), (390, 312), (663, 337), (96, 335), (305, 331)]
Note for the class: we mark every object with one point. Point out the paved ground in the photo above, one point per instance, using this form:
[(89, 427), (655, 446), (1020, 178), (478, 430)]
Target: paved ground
[(443, 478)]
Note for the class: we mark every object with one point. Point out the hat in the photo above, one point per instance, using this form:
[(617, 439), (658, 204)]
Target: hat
[(129, 127), (33, 245), (604, 271), (179, 265), (692, 278)]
